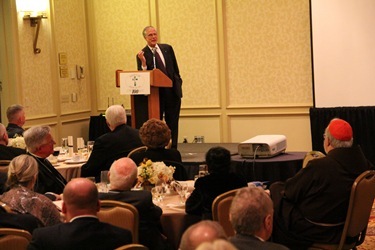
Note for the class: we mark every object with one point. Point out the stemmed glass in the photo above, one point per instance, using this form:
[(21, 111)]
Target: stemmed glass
[(183, 191)]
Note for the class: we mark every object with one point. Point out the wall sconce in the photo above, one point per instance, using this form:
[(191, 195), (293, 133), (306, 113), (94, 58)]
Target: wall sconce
[(34, 11)]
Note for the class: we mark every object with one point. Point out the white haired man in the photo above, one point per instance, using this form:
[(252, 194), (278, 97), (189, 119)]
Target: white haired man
[(112, 145)]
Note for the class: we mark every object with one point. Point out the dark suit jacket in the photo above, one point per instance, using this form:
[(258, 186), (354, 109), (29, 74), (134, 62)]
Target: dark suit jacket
[(149, 215), (245, 242), (82, 233), (207, 188), (20, 221), (157, 154), (13, 129), (170, 62), (49, 179), (8, 153), (110, 147)]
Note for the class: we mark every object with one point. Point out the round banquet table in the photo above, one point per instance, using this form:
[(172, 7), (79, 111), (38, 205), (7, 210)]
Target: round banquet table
[(175, 220), (277, 168)]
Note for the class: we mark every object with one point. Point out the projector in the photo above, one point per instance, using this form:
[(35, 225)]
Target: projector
[(262, 146)]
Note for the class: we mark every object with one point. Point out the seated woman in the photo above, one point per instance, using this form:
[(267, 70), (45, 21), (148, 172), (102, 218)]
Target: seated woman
[(156, 135), (22, 175), (219, 181)]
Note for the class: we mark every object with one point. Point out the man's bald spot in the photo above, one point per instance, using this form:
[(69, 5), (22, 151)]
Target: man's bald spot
[(80, 193)]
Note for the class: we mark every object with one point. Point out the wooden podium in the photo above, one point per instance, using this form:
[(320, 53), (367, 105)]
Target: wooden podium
[(150, 103)]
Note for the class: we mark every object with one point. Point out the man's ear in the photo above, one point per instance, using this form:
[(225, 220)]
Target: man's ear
[(268, 222), (63, 208)]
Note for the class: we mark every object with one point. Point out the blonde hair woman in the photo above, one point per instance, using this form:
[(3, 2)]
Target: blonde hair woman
[(22, 175)]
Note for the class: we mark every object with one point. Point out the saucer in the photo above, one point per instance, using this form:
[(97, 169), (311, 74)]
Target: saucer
[(74, 162)]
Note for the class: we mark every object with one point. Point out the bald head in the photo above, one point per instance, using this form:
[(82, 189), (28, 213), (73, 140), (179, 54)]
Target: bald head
[(203, 231), (123, 174), (80, 198)]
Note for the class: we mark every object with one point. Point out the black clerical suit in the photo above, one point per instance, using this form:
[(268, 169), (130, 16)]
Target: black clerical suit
[(49, 179), (170, 98)]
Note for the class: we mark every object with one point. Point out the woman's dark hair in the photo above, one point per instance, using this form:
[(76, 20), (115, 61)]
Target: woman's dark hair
[(218, 159)]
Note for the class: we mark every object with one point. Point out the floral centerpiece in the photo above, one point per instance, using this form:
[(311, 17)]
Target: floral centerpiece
[(18, 142), (154, 172)]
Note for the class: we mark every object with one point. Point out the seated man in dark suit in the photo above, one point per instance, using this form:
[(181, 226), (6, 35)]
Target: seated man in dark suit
[(123, 176), (6, 153), (16, 119), (83, 230), (113, 145), (219, 181), (8, 219), (251, 215), (39, 143)]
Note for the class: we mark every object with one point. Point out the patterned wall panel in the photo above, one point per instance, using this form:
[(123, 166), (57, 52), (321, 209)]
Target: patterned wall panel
[(36, 78), (118, 27), (268, 51), (191, 28), (71, 38)]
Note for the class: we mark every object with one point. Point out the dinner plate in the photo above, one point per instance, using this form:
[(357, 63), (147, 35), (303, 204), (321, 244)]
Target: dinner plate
[(63, 158), (74, 162), (180, 205)]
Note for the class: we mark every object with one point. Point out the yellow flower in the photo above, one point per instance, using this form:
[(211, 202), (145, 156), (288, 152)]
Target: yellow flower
[(155, 172)]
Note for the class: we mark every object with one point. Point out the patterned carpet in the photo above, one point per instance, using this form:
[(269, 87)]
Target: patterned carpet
[(369, 243)]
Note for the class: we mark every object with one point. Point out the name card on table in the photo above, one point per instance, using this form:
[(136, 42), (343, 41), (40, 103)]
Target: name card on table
[(135, 83)]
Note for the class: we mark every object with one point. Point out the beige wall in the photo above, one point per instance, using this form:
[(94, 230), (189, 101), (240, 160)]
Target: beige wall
[(246, 65)]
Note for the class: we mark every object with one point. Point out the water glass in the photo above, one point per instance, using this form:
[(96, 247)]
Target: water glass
[(90, 145), (64, 146), (104, 177), (158, 193)]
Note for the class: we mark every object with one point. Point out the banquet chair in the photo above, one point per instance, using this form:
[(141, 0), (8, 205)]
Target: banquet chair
[(14, 239), (220, 211), (4, 163), (310, 156), (132, 247), (120, 214), (360, 204), (137, 150)]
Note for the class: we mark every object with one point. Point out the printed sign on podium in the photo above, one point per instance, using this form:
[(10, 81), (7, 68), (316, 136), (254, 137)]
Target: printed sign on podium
[(144, 99), (135, 83)]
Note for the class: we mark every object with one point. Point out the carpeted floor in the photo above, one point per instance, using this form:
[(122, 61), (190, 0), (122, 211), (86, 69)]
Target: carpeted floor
[(369, 243)]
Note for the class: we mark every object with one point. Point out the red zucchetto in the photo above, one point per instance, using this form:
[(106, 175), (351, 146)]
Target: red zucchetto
[(340, 130)]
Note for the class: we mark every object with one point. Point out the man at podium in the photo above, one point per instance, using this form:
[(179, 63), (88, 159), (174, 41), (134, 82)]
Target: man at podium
[(161, 56)]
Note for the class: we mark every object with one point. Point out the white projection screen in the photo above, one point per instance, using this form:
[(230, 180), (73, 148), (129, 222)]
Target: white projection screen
[(343, 44)]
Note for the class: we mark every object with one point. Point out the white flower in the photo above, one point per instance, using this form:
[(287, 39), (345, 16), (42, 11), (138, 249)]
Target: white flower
[(155, 172), (18, 142)]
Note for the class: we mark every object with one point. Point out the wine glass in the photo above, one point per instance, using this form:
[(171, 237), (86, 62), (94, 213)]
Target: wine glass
[(182, 190)]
